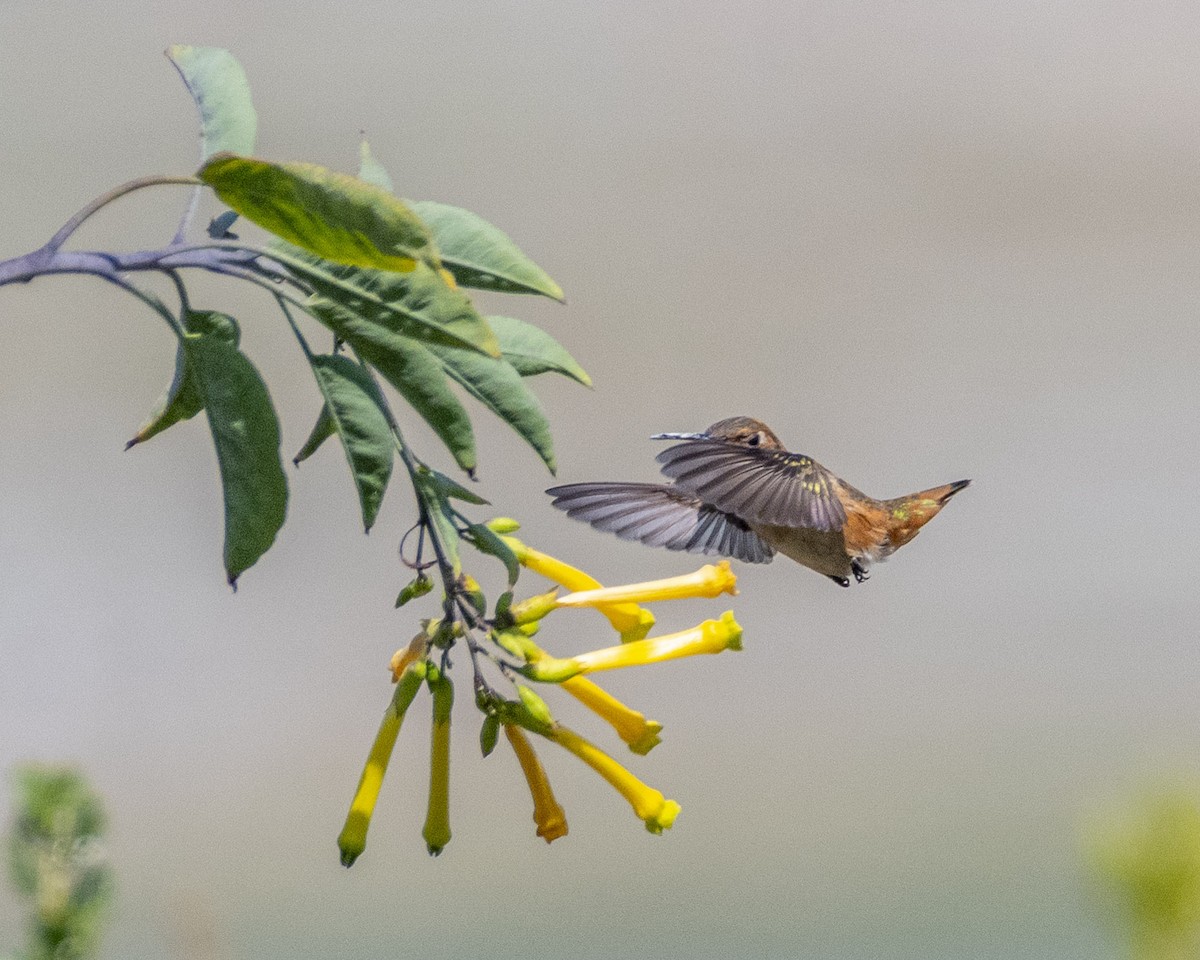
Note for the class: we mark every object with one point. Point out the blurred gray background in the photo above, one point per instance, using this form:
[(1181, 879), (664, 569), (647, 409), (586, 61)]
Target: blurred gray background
[(922, 240)]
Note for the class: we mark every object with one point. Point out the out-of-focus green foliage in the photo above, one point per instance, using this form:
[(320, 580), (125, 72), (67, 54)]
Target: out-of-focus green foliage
[(1147, 857), (56, 862)]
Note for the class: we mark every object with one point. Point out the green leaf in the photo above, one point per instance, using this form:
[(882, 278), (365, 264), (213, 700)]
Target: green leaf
[(371, 170), (417, 588), (487, 542), (452, 489), (356, 409), (334, 215), (418, 304), (498, 386), (532, 351), (411, 369), (481, 255), (181, 401), (322, 430), (441, 517), (246, 434), (489, 733), (218, 84)]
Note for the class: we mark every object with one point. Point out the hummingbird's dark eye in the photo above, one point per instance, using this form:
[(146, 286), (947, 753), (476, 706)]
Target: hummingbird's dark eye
[(754, 439)]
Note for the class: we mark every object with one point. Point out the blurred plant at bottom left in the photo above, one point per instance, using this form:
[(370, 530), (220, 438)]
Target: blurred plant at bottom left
[(56, 862)]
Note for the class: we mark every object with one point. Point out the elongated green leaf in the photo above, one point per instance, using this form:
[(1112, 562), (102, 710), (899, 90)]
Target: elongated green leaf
[(334, 215), (417, 304), (441, 516), (371, 170), (499, 387), (181, 401), (481, 255), (411, 369), (532, 351), (454, 490), (487, 542), (246, 434), (322, 430), (355, 407), (218, 84)]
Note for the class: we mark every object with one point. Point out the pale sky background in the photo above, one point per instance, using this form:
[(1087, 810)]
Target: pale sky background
[(922, 240)]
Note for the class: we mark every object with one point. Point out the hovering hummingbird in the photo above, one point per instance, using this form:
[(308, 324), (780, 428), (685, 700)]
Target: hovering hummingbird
[(738, 493)]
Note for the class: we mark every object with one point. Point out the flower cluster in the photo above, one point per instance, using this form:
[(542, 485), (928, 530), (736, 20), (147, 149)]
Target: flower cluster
[(522, 663)]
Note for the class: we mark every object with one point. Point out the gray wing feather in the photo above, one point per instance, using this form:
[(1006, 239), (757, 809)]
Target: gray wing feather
[(661, 516), (761, 486)]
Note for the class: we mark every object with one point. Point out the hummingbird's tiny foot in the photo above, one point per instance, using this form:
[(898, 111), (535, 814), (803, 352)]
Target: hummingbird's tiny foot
[(860, 572), (840, 581)]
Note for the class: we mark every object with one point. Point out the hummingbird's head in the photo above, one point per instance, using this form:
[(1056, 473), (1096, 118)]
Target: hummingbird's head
[(744, 431)]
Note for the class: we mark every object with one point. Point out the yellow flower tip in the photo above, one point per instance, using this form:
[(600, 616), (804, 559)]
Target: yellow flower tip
[(726, 579), (733, 640), (448, 277), (352, 841), (648, 740), (711, 580), (711, 636), (649, 805), (643, 626), (664, 819), (503, 525), (640, 734), (548, 815), (553, 828)]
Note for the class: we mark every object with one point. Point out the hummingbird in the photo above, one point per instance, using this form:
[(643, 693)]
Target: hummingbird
[(736, 492)]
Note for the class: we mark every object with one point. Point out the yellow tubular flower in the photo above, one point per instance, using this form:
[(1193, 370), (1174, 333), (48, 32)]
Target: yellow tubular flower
[(437, 820), (547, 814), (712, 636), (628, 619), (353, 838), (655, 810), (402, 658), (711, 580), (641, 734)]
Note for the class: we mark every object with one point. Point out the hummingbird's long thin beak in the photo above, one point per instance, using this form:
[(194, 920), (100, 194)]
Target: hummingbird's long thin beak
[(680, 436)]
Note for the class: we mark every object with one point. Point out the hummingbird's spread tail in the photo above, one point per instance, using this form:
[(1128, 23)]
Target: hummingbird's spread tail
[(907, 515)]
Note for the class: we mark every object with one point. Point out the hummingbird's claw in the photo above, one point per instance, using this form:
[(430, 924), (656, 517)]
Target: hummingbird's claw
[(840, 581), (860, 572)]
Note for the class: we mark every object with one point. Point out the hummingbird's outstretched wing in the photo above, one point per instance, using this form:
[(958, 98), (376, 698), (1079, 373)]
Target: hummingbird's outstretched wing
[(759, 486), (661, 516)]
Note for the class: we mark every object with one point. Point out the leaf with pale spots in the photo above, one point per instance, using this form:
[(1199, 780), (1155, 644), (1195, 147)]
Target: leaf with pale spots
[(333, 215), (532, 351), (481, 255)]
